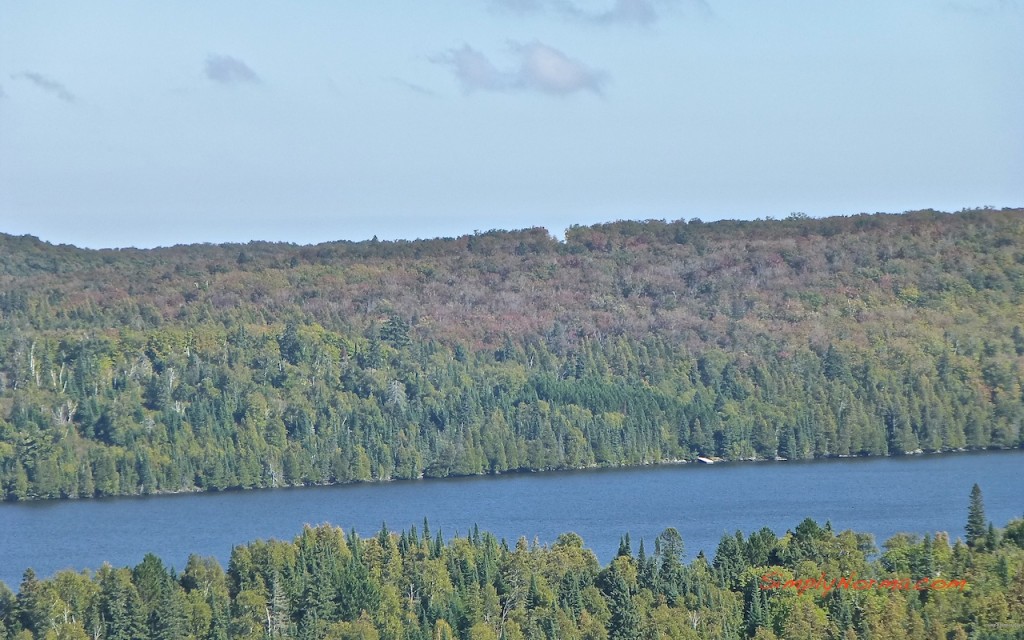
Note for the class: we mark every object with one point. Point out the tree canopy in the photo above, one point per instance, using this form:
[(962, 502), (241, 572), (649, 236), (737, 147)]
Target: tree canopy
[(810, 583), (232, 366)]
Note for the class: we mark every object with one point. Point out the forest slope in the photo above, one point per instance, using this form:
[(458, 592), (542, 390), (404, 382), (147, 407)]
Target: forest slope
[(217, 366)]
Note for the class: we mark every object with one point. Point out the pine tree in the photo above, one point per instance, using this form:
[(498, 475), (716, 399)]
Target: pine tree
[(757, 610), (625, 620), (976, 528), (624, 546), (30, 607), (991, 537), (120, 607)]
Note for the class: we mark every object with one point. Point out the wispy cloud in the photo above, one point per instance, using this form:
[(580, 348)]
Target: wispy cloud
[(539, 68), (224, 69), (638, 12), (49, 85), (411, 86), (475, 71)]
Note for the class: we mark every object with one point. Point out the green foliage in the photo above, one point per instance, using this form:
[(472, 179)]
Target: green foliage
[(215, 367), (976, 523), (326, 584)]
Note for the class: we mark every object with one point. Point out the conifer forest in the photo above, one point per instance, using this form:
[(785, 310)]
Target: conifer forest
[(813, 582)]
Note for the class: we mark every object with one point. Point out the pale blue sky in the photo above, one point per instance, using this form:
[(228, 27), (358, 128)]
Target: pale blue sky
[(145, 124)]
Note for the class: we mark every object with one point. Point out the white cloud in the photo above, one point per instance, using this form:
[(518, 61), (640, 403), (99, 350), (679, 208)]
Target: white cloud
[(549, 70), (228, 70), (539, 68), (49, 85)]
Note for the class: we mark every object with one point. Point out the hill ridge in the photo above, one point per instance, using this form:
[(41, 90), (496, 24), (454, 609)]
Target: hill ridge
[(261, 364)]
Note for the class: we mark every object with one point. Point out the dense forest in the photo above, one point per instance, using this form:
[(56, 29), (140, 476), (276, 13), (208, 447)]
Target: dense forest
[(208, 367), (326, 584)]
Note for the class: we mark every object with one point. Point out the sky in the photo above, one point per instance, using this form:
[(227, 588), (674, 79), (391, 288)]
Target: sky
[(126, 123)]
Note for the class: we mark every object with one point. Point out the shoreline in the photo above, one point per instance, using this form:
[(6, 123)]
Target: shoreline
[(705, 461)]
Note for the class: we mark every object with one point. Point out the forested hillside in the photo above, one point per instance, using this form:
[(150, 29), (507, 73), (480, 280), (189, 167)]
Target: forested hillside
[(810, 583), (213, 367)]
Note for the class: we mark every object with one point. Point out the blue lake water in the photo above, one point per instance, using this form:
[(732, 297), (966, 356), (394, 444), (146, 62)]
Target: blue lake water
[(882, 496)]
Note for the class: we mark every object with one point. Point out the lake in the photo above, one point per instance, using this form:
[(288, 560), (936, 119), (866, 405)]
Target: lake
[(881, 496)]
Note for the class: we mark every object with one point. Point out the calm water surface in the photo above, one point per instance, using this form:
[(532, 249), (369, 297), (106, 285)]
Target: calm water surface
[(882, 496)]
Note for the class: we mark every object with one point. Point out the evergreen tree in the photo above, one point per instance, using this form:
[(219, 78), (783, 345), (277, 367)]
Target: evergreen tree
[(624, 546), (32, 613), (730, 560), (976, 523), (625, 621), (120, 607), (669, 550)]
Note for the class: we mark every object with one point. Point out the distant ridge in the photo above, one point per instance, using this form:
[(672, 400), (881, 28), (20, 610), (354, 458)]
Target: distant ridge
[(208, 366)]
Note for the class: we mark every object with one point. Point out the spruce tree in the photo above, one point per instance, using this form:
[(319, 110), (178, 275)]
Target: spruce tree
[(625, 619), (975, 528), (624, 547)]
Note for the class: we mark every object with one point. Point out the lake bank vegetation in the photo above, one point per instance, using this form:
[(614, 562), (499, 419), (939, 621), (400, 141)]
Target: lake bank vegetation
[(213, 367), (413, 585)]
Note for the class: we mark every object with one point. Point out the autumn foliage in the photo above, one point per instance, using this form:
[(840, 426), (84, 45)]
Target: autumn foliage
[(207, 367)]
